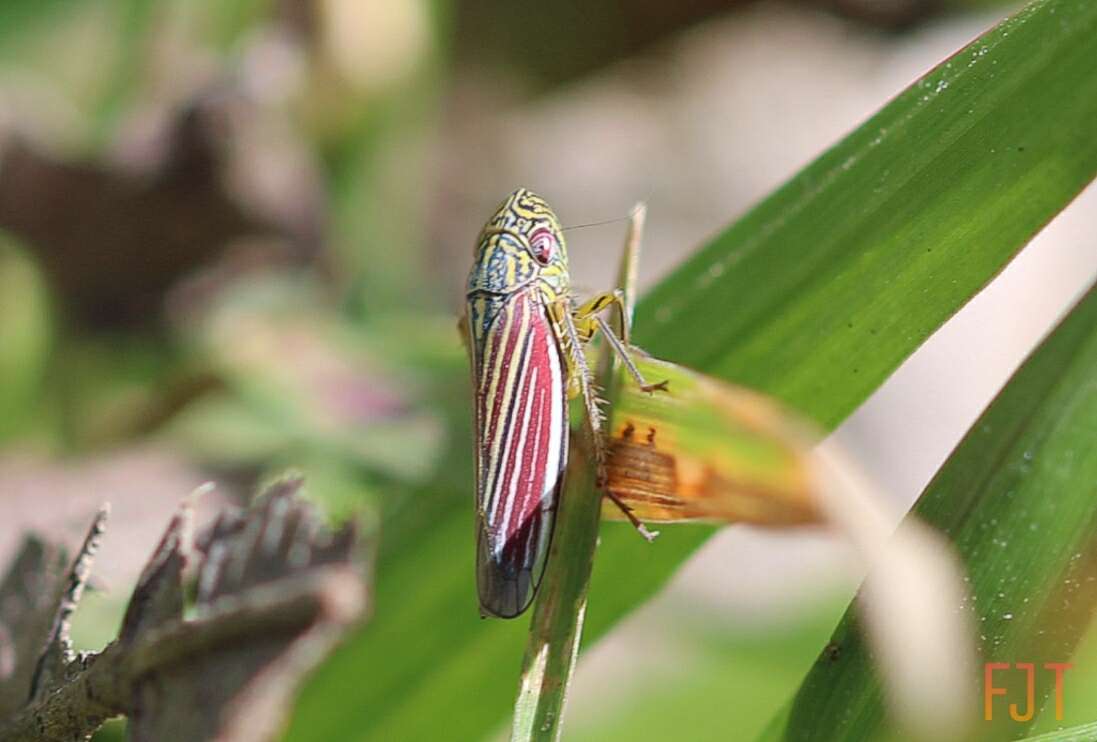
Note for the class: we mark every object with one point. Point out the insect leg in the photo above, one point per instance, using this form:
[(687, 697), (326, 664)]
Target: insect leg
[(581, 369), (580, 372), (648, 535), (626, 357), (588, 319), (584, 314)]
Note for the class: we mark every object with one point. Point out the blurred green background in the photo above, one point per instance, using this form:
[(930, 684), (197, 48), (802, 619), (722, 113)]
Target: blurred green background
[(233, 238)]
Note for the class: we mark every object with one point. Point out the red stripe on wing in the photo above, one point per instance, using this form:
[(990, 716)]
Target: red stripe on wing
[(522, 430)]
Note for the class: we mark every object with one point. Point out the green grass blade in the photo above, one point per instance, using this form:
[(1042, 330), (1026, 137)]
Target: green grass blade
[(556, 626), (1018, 498), (815, 297), (824, 338), (1081, 733)]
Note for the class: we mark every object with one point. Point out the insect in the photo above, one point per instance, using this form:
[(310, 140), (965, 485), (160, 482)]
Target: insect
[(525, 338)]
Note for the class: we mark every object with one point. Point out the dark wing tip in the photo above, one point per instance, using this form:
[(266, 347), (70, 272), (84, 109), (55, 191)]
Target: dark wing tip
[(506, 590)]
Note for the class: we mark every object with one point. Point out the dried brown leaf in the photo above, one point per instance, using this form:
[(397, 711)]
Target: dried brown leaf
[(29, 595), (276, 589)]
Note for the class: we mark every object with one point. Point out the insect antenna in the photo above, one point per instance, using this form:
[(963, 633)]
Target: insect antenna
[(627, 217), (594, 224)]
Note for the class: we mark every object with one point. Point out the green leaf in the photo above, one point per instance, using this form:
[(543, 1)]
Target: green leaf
[(814, 297), (19, 17), (1018, 498), (26, 336), (556, 623), (1081, 733), (719, 671), (1080, 686)]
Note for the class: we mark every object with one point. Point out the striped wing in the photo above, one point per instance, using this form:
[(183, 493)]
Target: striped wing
[(521, 444)]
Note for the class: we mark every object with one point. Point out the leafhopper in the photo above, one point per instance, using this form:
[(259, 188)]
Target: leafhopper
[(700, 450), (525, 337)]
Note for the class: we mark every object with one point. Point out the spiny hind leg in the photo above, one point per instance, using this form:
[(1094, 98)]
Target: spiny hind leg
[(579, 371), (579, 377), (581, 384)]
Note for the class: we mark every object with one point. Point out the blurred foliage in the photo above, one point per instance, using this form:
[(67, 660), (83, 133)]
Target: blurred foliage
[(568, 39), (25, 338), (874, 283), (18, 17), (238, 370), (720, 672)]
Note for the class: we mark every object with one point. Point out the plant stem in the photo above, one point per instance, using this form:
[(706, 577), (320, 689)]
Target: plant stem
[(557, 625)]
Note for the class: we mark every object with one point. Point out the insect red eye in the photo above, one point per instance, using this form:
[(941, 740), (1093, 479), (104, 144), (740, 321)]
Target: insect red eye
[(542, 244)]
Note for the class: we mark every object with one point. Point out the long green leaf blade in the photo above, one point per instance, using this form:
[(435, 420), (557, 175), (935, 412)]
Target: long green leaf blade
[(1080, 733), (1018, 498), (556, 624)]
